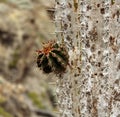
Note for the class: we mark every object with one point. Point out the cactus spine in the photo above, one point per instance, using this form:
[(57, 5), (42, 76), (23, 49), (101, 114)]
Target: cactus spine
[(52, 58)]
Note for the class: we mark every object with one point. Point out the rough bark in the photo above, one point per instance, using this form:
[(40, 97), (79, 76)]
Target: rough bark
[(90, 31)]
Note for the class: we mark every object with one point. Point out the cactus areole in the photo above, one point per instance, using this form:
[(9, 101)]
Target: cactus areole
[(52, 58)]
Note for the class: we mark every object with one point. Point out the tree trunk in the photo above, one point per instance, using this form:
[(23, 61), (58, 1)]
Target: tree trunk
[(90, 29)]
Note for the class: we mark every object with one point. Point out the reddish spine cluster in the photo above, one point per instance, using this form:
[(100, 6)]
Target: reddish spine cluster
[(52, 58)]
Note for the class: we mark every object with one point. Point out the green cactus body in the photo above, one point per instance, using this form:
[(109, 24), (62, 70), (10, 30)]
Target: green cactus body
[(52, 58)]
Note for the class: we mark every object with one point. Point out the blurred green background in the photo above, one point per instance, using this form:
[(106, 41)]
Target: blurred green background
[(24, 90)]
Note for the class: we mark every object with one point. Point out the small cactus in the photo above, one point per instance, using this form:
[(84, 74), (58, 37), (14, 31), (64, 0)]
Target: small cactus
[(52, 58)]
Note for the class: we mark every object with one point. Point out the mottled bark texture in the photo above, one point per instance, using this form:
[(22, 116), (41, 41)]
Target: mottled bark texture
[(90, 30)]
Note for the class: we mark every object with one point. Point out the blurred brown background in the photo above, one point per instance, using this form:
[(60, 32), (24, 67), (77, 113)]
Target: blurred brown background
[(24, 89)]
